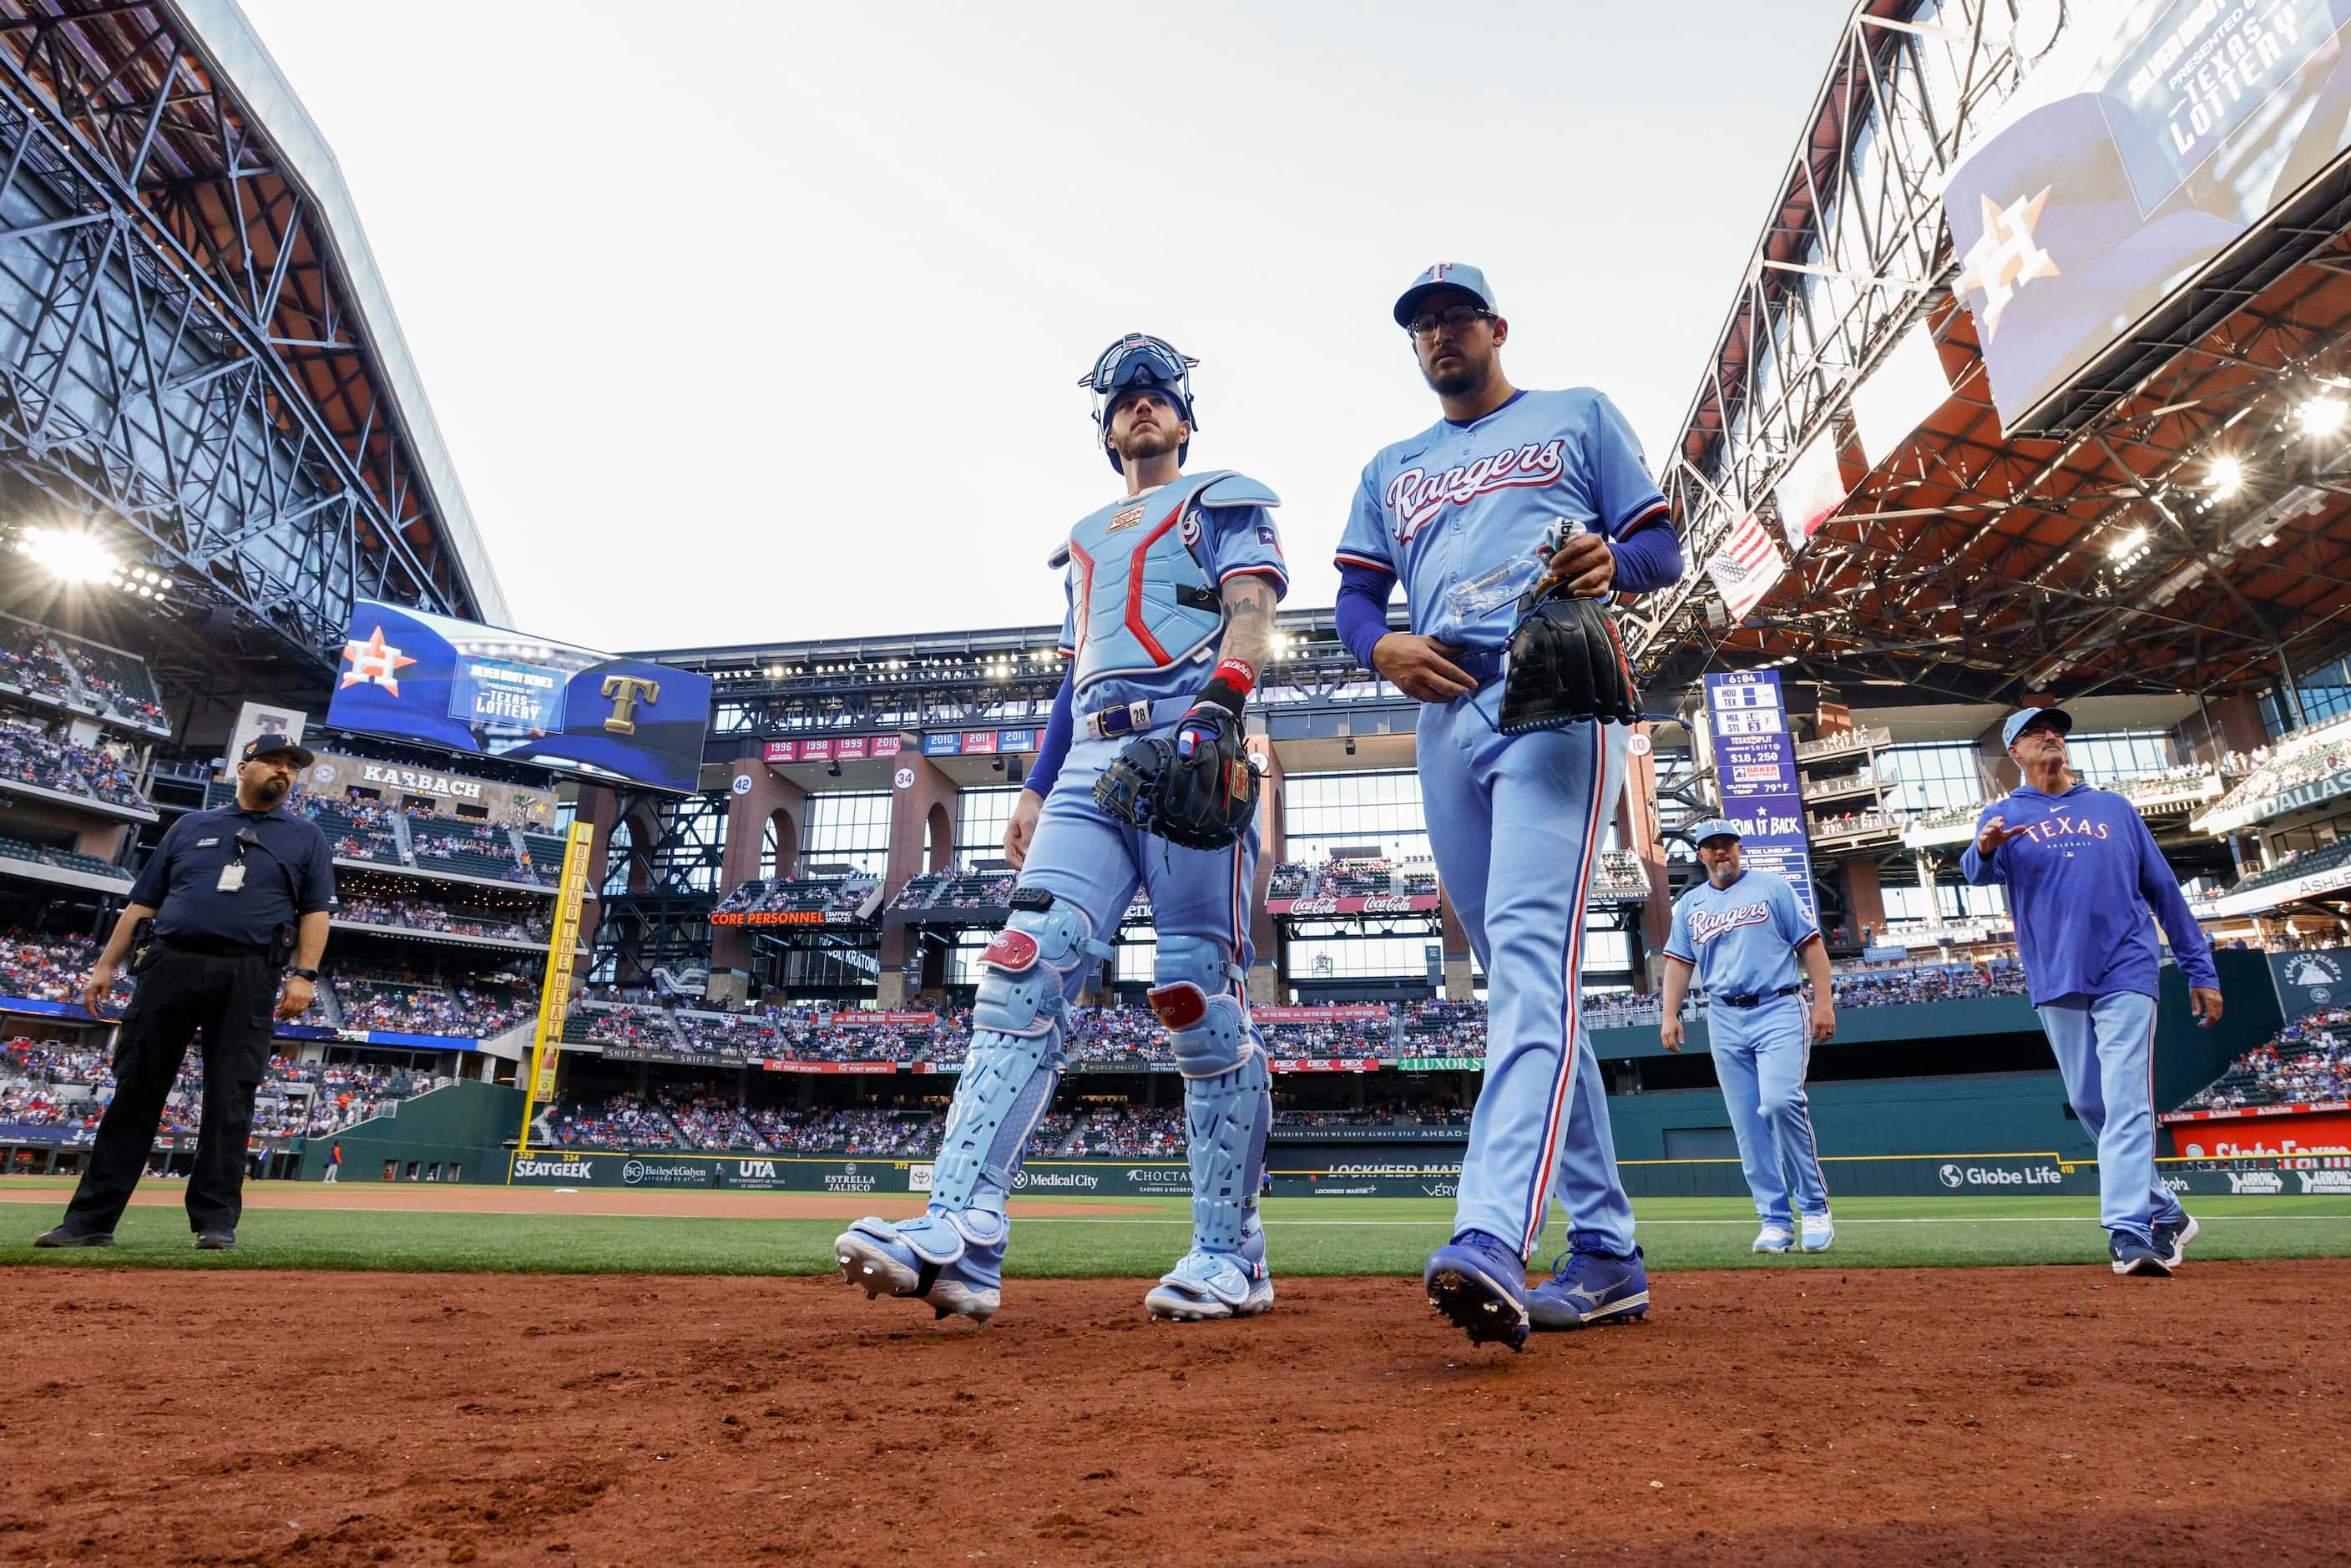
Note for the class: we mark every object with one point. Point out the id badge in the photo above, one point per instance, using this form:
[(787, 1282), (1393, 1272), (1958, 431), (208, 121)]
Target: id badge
[(232, 877)]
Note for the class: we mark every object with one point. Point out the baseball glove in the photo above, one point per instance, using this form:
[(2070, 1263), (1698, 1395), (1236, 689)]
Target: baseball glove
[(1202, 801), (1567, 667)]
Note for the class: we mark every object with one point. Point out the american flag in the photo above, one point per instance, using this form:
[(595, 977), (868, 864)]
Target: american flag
[(1746, 566)]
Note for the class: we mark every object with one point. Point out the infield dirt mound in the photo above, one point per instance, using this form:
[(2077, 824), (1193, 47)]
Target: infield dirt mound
[(2015, 1415)]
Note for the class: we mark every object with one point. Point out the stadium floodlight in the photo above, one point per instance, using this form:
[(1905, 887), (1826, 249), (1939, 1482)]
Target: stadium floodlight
[(2322, 415), (2127, 548), (2225, 475), (69, 555)]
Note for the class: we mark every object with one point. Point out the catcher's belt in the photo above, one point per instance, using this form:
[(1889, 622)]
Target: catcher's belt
[(1134, 717)]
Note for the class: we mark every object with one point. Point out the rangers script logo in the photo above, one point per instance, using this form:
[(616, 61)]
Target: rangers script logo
[(1705, 925), (1416, 497)]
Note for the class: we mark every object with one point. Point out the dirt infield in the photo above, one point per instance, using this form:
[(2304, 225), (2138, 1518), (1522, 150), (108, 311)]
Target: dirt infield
[(2007, 1415), (397, 1197)]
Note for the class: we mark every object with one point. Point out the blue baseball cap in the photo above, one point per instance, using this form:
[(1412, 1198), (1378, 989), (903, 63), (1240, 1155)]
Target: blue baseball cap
[(271, 745), (2016, 722), (1442, 275), (1714, 828)]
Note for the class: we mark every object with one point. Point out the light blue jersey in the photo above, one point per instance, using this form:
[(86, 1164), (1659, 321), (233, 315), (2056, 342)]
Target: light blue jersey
[(1742, 939), (1458, 512)]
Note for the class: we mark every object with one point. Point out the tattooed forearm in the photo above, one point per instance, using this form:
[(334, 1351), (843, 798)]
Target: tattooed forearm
[(1248, 621)]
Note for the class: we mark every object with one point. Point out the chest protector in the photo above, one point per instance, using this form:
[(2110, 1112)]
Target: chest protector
[(1146, 601)]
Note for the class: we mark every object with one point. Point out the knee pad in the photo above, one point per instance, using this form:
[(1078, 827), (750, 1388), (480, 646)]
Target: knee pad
[(1026, 969), (1207, 1028), (1015, 1059)]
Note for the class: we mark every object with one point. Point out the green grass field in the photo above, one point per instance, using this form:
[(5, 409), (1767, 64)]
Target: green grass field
[(1308, 1236)]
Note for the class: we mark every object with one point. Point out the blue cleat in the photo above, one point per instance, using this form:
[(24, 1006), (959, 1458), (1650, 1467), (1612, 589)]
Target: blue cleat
[(953, 1261), (1589, 1288), (2171, 1241), (1820, 1232), (1773, 1238), (1480, 1287), (2132, 1256)]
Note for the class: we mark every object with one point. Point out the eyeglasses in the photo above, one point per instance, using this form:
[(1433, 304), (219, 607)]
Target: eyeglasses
[(1456, 319)]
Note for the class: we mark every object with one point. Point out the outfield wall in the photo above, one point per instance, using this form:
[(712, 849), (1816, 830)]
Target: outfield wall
[(1921, 1176)]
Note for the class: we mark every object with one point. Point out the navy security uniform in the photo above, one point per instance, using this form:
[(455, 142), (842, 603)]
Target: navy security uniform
[(1742, 941), (208, 976)]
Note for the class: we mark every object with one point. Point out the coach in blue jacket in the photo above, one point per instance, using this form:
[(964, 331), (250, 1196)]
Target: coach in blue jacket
[(2082, 875)]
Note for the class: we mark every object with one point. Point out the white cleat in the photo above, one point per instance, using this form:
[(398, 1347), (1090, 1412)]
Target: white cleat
[(1205, 1285), (867, 1264), (1818, 1232), (1179, 1306), (1773, 1238)]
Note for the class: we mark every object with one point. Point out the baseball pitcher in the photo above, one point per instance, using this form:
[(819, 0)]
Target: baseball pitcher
[(1740, 932), (1509, 521), (1142, 777)]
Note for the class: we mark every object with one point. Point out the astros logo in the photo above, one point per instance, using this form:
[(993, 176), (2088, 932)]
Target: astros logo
[(374, 662)]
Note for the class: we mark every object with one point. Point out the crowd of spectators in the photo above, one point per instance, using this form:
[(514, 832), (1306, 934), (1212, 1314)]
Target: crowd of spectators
[(104, 679), (44, 968), (52, 1083), (29, 660), (1127, 1132), (413, 1004), (427, 915), (1928, 983), (357, 828), (2308, 1063), (96, 774), (622, 1122), (473, 849)]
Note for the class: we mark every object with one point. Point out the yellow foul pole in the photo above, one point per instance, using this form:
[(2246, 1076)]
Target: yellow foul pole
[(555, 991)]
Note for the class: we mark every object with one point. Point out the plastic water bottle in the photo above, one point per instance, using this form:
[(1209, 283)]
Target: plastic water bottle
[(1513, 575)]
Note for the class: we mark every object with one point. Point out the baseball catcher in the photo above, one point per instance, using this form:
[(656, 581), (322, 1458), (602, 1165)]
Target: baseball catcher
[(1142, 777)]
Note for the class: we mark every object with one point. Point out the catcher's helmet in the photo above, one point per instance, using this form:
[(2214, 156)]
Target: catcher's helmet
[(1140, 364)]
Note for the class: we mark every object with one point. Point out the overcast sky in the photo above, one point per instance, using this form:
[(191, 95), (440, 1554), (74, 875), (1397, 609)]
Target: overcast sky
[(752, 321)]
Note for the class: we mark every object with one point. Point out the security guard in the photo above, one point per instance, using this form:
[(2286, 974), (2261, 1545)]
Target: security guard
[(233, 895)]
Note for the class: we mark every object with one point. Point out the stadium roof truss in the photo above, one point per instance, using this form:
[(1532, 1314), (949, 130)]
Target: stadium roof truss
[(2094, 551), (194, 345)]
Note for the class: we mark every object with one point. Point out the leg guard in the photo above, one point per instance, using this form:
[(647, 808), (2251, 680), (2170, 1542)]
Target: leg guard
[(1016, 1058), (1228, 1092)]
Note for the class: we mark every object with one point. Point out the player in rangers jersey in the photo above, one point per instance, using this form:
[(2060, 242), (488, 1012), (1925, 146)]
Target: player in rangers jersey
[(1171, 590), (1739, 933), (1463, 514)]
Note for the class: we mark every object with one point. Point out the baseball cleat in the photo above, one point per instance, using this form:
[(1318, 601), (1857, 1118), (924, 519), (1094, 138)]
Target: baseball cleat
[(2171, 1241), (1205, 1285), (2132, 1256), (1480, 1286), (1773, 1238), (934, 1259), (1588, 1289), (64, 1236), (1819, 1232)]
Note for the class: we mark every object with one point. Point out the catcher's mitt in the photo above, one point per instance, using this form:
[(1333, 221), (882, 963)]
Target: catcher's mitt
[(1204, 801), (1567, 667)]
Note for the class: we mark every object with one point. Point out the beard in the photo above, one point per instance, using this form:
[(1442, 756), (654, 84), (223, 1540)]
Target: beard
[(269, 791), (1155, 441), (1467, 375)]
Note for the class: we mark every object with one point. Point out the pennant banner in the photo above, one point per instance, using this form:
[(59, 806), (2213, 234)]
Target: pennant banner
[(1811, 491)]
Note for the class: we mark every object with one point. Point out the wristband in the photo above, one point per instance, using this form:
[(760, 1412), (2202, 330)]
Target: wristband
[(1238, 674)]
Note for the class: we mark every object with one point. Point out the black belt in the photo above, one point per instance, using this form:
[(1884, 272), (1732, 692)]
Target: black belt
[(1757, 998), (216, 946)]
